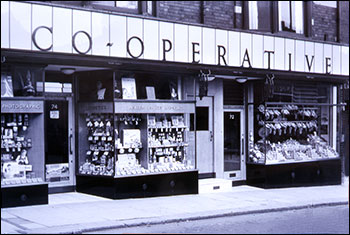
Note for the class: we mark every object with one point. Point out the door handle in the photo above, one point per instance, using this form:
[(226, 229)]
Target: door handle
[(242, 146), (70, 144), (211, 136)]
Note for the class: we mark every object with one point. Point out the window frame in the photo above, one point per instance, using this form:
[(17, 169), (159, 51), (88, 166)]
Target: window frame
[(141, 8), (292, 17), (274, 27), (246, 19), (307, 12)]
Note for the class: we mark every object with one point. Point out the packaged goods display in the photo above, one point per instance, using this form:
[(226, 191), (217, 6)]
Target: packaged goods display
[(122, 139), (99, 157), (289, 133), (17, 159), (129, 144), (133, 144), (150, 143), (167, 144)]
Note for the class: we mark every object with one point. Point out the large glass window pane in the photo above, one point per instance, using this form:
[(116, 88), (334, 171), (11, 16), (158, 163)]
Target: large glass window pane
[(232, 141), (298, 17), (150, 7), (260, 15), (95, 86), (104, 3), (284, 15), (149, 86), (127, 4), (202, 118), (22, 81), (291, 16), (253, 14), (296, 124)]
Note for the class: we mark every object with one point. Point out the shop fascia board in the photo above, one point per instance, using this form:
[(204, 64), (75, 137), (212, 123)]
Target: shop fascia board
[(127, 64)]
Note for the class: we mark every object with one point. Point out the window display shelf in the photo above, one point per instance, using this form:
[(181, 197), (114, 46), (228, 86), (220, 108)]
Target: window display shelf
[(169, 145), (155, 171), (22, 182), (275, 162), (164, 128)]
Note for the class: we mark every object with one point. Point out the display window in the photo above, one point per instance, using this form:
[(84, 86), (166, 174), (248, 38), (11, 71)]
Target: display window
[(21, 81), (95, 86), (295, 123), (146, 130), (22, 149), (133, 143), (146, 86)]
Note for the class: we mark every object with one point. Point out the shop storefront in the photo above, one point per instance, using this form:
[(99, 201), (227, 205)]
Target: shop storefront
[(293, 134), (121, 107)]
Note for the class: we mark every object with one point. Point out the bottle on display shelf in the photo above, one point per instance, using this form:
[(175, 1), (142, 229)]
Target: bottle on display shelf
[(14, 119), (25, 122), (20, 120)]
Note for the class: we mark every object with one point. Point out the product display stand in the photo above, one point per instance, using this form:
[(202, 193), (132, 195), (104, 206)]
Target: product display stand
[(22, 153)]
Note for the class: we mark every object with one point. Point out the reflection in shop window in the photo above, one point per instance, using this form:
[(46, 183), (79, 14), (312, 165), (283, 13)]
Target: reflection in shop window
[(291, 17)]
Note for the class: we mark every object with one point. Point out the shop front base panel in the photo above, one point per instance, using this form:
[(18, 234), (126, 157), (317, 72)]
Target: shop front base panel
[(139, 186), (325, 172), (24, 195)]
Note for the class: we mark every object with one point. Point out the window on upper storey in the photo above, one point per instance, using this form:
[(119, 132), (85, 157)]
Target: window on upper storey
[(259, 15), (291, 16), (134, 7)]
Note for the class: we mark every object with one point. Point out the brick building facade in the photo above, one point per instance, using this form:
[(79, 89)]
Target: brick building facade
[(328, 22)]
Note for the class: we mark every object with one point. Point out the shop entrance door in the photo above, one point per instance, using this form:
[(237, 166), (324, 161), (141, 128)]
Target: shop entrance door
[(234, 160), (205, 136), (59, 141)]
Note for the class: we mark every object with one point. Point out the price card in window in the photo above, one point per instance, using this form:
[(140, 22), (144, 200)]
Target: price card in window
[(55, 114)]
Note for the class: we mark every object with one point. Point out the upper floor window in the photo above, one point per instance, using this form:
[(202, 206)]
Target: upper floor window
[(135, 7), (291, 16), (259, 15), (127, 4)]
